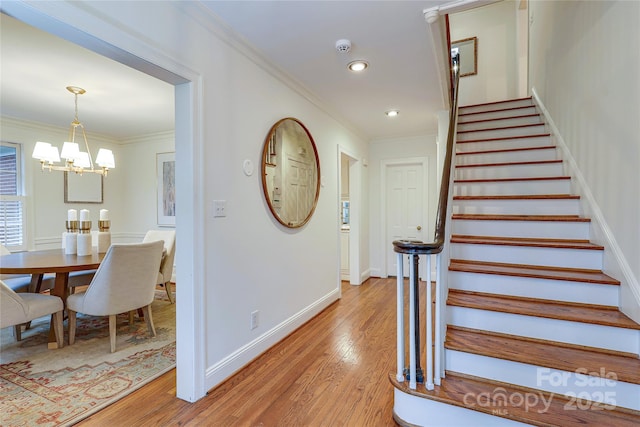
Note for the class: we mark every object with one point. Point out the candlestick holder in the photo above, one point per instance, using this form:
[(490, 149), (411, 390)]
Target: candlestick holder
[(69, 237), (84, 238), (104, 236)]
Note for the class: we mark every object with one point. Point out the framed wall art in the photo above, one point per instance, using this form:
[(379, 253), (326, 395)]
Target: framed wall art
[(166, 183)]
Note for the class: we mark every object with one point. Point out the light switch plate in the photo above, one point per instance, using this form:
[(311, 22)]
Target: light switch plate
[(219, 208)]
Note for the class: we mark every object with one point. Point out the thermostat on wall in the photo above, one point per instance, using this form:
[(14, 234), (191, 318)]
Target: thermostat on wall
[(247, 166)]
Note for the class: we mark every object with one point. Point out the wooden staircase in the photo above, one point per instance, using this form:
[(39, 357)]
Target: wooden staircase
[(534, 334)]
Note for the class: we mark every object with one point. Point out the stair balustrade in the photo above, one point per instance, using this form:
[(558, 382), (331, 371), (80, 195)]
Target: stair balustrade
[(435, 325)]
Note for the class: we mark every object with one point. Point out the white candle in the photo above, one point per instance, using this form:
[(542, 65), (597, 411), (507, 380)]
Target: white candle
[(84, 215), (72, 215), (104, 215)]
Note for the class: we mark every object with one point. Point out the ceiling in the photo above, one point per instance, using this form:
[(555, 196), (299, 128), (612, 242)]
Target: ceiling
[(296, 37)]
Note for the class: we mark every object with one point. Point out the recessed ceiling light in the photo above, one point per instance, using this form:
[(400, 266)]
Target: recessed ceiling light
[(392, 113), (358, 65)]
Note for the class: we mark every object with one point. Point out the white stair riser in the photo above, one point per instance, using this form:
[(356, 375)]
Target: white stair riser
[(503, 144), (495, 106), (500, 133), (507, 156), (555, 290), (510, 171), (598, 387), (417, 411), (465, 118), (518, 207), (607, 337), (551, 186), (539, 229), (551, 257), (505, 122)]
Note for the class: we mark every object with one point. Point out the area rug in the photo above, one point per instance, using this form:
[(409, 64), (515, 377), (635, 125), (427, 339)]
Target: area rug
[(42, 387)]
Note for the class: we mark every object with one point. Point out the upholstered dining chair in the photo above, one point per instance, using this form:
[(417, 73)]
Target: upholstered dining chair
[(22, 282), (18, 309), (124, 281), (166, 266)]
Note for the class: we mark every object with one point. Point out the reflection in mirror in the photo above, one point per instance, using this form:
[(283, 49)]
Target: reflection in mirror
[(468, 50), (290, 173)]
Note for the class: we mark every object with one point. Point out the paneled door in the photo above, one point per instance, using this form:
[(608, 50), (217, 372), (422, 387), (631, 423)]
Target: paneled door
[(405, 209), (300, 184)]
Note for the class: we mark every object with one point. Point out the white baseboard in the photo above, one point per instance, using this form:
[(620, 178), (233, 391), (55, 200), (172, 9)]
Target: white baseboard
[(615, 263), (226, 367)]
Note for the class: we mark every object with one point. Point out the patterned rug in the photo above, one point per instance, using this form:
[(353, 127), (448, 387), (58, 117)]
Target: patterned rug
[(42, 387)]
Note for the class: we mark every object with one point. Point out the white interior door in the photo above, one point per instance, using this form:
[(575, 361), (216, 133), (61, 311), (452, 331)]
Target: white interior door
[(299, 176), (405, 209)]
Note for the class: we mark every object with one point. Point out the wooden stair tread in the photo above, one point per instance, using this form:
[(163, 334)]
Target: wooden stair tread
[(492, 217), (499, 110), (524, 116), (507, 150), (483, 165), (503, 138), (463, 390), (486, 104), (520, 197), (501, 128), (532, 178), (550, 354), (531, 242), (533, 271), (549, 309)]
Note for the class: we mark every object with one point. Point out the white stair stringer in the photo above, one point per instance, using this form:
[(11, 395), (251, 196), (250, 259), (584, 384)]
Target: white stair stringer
[(596, 388), (577, 333)]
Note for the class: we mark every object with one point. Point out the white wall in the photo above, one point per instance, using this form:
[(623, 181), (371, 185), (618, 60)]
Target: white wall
[(495, 27), (45, 208), (584, 66), (381, 150), (129, 189), (247, 261), (137, 168)]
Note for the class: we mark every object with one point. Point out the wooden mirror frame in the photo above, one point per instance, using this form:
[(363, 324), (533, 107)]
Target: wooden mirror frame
[(274, 162), (468, 49)]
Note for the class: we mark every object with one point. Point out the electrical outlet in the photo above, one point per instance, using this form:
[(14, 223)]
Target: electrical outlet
[(219, 208), (254, 319)]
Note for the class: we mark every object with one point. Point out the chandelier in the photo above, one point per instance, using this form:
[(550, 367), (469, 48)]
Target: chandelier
[(75, 160)]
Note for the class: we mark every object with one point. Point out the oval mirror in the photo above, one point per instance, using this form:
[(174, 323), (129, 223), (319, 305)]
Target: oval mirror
[(290, 173)]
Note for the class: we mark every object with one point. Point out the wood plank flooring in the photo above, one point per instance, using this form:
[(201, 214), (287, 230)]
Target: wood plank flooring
[(331, 372)]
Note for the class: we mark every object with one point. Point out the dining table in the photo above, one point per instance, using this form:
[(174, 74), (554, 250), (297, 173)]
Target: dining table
[(38, 263)]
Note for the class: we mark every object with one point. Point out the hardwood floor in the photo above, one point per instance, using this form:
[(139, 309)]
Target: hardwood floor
[(333, 371)]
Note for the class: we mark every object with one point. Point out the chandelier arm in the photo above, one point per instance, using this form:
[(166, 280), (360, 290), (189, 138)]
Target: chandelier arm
[(86, 144)]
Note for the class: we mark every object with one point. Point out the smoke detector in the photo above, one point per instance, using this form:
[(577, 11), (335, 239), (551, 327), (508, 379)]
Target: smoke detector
[(343, 46)]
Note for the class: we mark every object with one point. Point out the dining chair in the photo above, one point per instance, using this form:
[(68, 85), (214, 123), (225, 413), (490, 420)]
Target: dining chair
[(124, 281), (22, 282), (18, 309), (166, 266)]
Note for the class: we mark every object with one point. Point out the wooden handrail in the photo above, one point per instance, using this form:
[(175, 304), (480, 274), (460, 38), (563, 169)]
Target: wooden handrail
[(436, 246)]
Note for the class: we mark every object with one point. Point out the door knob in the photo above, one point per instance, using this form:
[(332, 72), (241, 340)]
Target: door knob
[(419, 228)]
